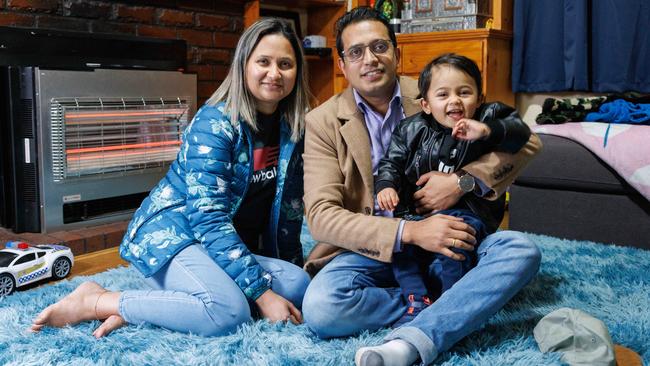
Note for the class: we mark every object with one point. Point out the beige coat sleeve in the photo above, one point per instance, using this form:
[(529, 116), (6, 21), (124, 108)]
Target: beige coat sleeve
[(499, 169), (337, 203)]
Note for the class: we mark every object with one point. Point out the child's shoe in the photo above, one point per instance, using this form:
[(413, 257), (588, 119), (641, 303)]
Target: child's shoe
[(414, 308)]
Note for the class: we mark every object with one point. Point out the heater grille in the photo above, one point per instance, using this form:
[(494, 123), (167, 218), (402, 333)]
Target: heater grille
[(95, 136)]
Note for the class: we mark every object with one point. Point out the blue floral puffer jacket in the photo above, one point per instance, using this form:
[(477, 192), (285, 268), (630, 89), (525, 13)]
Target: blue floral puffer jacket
[(198, 198)]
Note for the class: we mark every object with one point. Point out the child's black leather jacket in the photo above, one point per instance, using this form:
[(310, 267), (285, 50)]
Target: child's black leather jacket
[(416, 148)]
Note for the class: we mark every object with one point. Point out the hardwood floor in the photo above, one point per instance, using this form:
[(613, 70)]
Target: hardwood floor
[(506, 220), (95, 262)]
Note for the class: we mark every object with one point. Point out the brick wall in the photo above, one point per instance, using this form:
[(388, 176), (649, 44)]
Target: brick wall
[(211, 28)]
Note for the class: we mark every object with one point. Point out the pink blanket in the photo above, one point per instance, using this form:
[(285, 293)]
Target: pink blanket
[(627, 150)]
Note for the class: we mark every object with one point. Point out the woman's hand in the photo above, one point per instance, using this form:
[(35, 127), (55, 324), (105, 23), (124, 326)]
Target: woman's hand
[(387, 199), (276, 308)]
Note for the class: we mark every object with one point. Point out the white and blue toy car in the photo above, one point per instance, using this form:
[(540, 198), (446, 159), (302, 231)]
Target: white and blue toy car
[(21, 263)]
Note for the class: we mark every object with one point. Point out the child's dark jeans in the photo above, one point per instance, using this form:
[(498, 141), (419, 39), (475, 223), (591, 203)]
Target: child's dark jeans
[(424, 276)]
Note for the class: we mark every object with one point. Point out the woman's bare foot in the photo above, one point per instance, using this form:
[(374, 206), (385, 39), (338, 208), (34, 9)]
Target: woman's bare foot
[(110, 324), (77, 307)]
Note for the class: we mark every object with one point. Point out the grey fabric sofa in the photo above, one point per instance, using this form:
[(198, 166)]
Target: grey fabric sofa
[(568, 192)]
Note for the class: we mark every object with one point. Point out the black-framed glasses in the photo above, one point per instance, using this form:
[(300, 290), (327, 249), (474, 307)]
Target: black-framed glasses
[(377, 47)]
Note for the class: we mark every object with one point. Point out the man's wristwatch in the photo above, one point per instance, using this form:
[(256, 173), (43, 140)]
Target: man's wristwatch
[(466, 181)]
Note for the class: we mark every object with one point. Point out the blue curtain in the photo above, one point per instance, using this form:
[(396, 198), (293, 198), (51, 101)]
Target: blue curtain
[(584, 45), (549, 50), (621, 45)]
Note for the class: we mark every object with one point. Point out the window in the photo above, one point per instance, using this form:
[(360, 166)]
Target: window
[(6, 258), (26, 258)]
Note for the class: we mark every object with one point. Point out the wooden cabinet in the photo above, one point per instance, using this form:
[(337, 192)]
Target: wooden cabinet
[(490, 49), (321, 17)]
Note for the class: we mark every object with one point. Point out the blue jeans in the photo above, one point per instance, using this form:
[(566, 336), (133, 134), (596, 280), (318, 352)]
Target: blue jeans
[(193, 294), (354, 293)]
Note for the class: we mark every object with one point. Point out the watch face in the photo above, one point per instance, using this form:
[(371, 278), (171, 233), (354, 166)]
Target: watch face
[(466, 183)]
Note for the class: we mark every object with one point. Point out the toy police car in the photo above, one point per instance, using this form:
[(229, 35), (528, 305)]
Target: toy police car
[(21, 263)]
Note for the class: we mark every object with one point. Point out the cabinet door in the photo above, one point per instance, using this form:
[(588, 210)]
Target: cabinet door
[(415, 55)]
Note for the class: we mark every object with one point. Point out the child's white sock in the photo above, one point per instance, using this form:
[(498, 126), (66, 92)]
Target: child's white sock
[(393, 353)]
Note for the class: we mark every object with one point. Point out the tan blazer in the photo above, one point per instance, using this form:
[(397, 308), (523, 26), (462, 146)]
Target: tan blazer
[(339, 187)]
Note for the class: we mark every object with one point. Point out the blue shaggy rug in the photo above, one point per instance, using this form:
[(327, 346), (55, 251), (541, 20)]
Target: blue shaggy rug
[(608, 282)]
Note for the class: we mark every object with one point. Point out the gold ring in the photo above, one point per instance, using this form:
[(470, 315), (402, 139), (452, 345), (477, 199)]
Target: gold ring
[(453, 243)]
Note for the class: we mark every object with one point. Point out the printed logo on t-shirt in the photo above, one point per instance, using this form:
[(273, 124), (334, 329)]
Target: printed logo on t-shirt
[(265, 161)]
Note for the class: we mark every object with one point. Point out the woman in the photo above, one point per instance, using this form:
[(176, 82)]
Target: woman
[(235, 189)]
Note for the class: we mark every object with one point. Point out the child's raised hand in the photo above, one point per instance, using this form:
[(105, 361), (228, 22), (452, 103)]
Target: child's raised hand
[(470, 130), (387, 199)]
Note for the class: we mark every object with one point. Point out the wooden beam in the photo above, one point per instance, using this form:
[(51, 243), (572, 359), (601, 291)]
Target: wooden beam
[(502, 14), (251, 12)]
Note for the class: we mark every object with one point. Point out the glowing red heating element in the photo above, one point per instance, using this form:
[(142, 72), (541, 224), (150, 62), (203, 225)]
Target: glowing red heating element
[(122, 147)]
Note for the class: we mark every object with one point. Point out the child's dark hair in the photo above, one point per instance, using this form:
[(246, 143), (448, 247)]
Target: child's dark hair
[(359, 15), (458, 62)]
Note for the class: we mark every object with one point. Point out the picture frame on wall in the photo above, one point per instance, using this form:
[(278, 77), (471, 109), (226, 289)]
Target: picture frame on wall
[(423, 6), (453, 4), (292, 17)]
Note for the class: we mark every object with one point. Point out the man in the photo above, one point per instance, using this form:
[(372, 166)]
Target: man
[(354, 289)]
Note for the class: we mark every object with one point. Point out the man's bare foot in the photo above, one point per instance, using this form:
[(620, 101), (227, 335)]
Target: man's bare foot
[(77, 307), (110, 324)]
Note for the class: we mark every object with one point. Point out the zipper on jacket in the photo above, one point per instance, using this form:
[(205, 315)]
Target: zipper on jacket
[(246, 135), (287, 147), (417, 165), (429, 150)]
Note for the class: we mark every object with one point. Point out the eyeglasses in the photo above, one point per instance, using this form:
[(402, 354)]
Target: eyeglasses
[(377, 47)]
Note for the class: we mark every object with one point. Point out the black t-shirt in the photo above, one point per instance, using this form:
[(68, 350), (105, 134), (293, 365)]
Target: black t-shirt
[(252, 218), (450, 154)]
